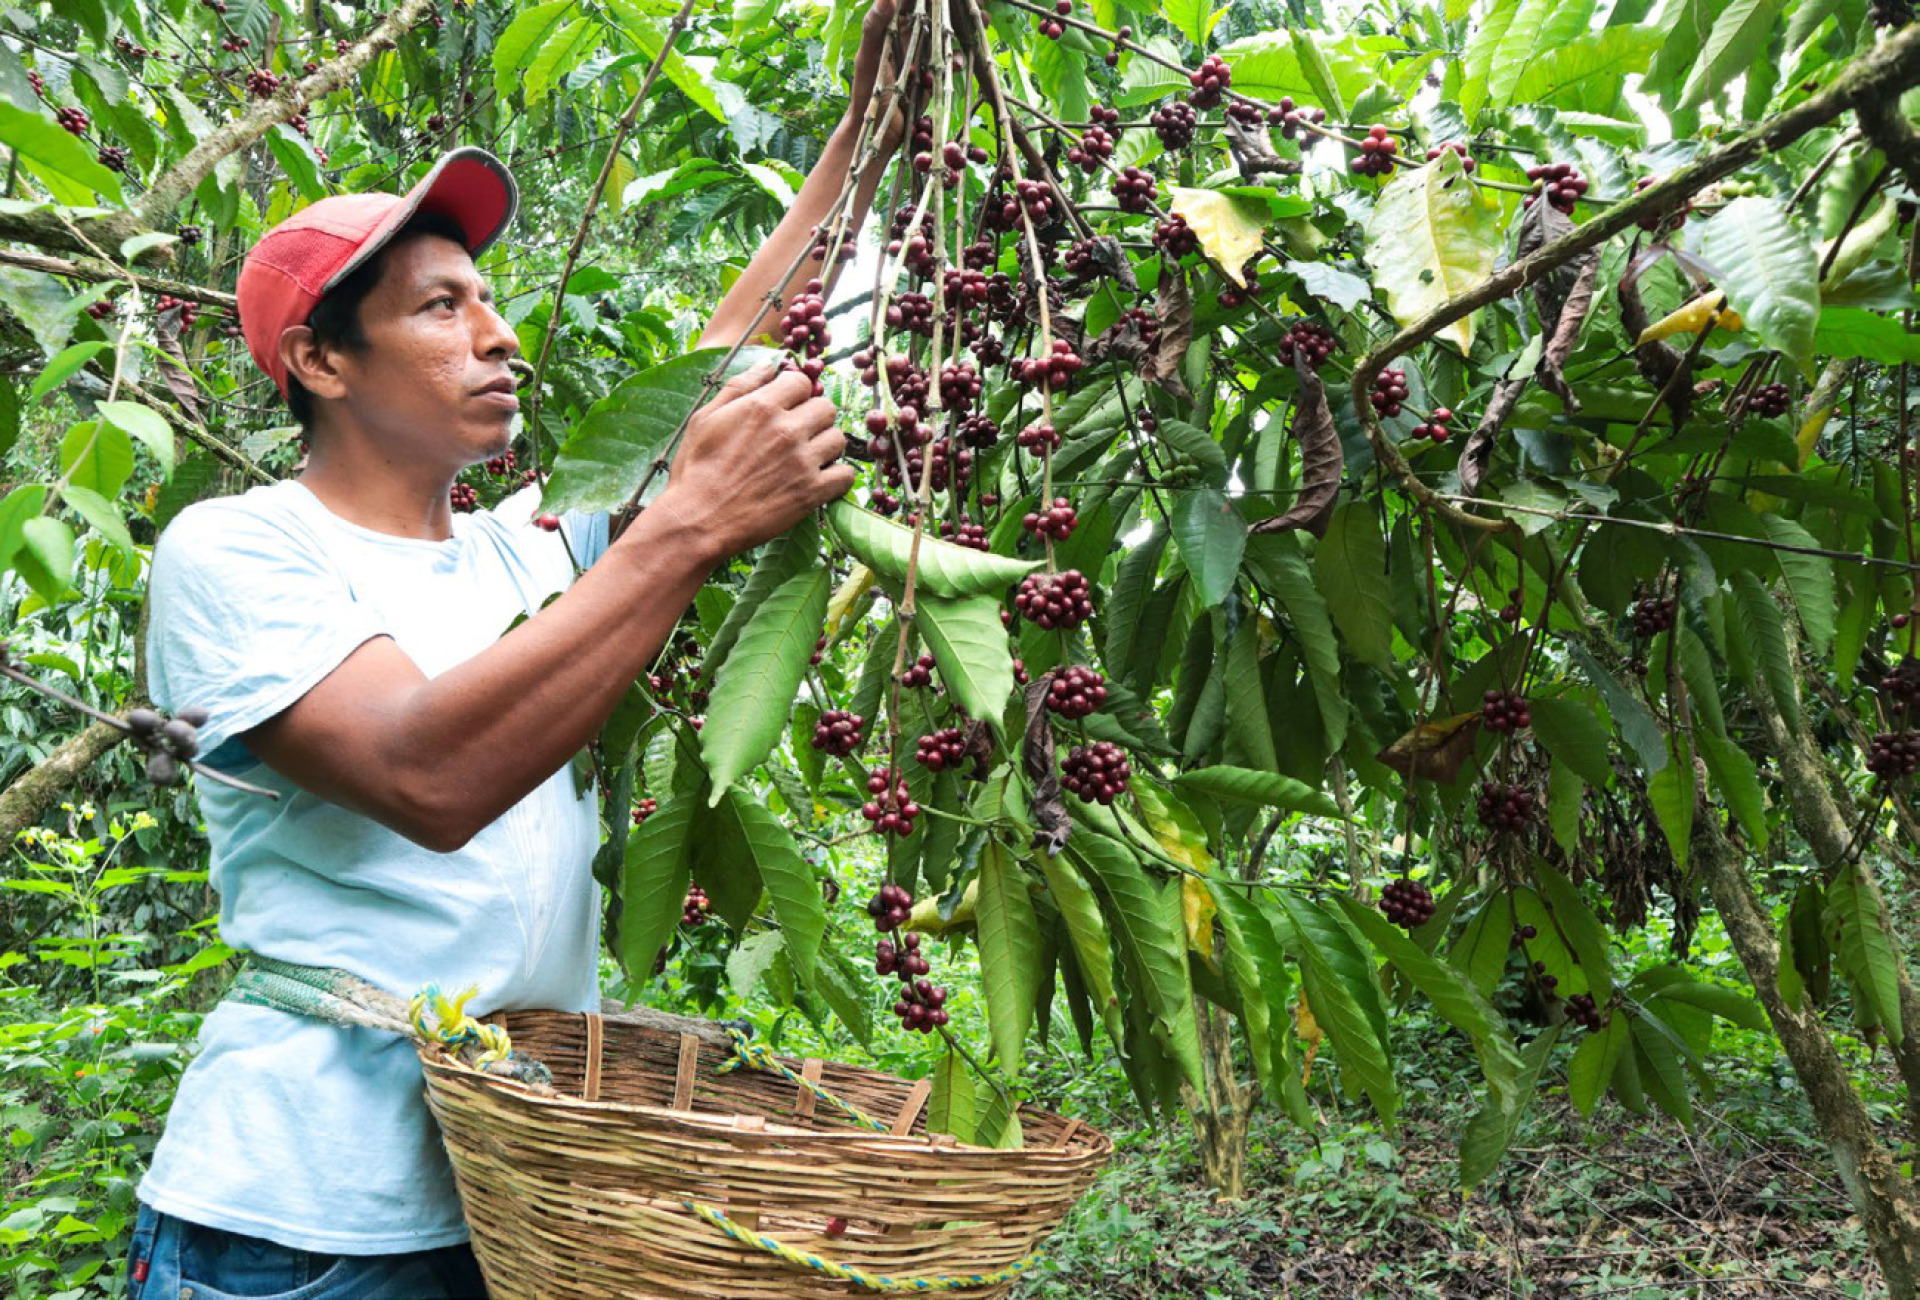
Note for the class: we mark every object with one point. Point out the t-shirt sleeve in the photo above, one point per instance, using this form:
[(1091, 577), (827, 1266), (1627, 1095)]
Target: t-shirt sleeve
[(245, 618)]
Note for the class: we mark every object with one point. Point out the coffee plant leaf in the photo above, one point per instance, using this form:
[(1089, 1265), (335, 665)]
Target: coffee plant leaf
[(1630, 715), (1352, 560), (969, 647), (1574, 732), (68, 362), (945, 570), (1809, 580), (725, 863), (146, 424), (1127, 599), (755, 687), (1856, 332), (59, 160), (1198, 446), (1432, 236), (1260, 971), (792, 553), (523, 38), (1762, 630), (1536, 28), (101, 513), (1481, 951), (1260, 789), (1861, 941), (1671, 792), (1009, 937), (653, 886), (16, 508), (1739, 36), (1738, 781), (750, 960), (1476, 64), (844, 986), (1729, 1004), (1576, 923), (1229, 231), (789, 881), (1344, 992), (1282, 570), (1661, 1067), (1594, 1062), (952, 1105), (1212, 537), (1087, 932), (1769, 272)]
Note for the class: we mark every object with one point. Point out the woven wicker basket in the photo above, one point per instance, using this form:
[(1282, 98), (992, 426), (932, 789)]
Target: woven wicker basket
[(582, 1194)]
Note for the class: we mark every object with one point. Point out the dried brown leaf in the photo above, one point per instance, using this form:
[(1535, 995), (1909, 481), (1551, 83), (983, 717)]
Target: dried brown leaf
[(173, 365), (1051, 823), (1252, 150), (1321, 460), (1478, 451), (1657, 361), (1174, 310), (1435, 750), (1565, 331)]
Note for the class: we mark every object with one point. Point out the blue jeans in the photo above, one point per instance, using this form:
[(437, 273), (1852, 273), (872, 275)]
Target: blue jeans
[(173, 1259)]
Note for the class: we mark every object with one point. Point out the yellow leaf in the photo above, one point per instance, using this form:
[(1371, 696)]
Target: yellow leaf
[(1227, 233), (1691, 318), (1197, 909), (1308, 1030), (1174, 827), (846, 596), (926, 917)]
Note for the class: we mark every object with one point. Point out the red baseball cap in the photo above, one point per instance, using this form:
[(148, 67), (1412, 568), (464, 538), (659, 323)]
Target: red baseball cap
[(304, 257)]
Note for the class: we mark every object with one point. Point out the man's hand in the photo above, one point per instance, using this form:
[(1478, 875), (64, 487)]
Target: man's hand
[(877, 66), (755, 460)]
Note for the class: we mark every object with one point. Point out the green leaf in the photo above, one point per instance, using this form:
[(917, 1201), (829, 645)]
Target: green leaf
[(1482, 45), (1491, 1131), (1594, 1063), (953, 1106), (1588, 70), (754, 689), (789, 880), (1344, 993), (1266, 789), (1127, 598), (613, 446), (1432, 237), (1350, 566), (297, 160), (146, 424), (846, 988), (945, 570), (1212, 538), (653, 885), (1735, 777), (1854, 332), (67, 167), (23, 503), (62, 368), (1577, 924), (1458, 1002), (1330, 284), (524, 36), (1259, 970), (1249, 733), (45, 557), (556, 55), (1087, 932), (1191, 18), (1538, 27), (970, 648), (1661, 1070), (1009, 953), (1739, 36), (1629, 714), (639, 27), (1282, 570), (1314, 67), (1865, 947), (1574, 733), (786, 556), (1769, 271), (1671, 792), (1809, 578), (750, 960), (1762, 631), (1685, 26), (1197, 445), (101, 513), (97, 456), (1721, 1001)]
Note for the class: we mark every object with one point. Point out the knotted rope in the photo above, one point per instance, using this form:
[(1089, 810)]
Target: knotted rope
[(871, 1281)]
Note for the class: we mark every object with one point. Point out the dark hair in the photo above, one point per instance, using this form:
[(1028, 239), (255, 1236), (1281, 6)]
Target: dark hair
[(335, 319)]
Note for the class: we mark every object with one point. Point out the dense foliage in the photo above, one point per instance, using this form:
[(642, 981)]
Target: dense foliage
[(1364, 504)]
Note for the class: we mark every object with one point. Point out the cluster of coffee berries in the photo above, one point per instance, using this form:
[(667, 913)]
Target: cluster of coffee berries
[(1389, 391), (966, 533), (1233, 296), (839, 732), (922, 1003), (1653, 221), (38, 82), (1054, 370), (462, 497), (1174, 123), (889, 807), (1455, 147), (890, 909), (261, 84), (1510, 612), (1892, 755), (1436, 425), (644, 809), (1055, 600), (501, 465), (1036, 196), (1769, 401), (918, 674), (1052, 28), (804, 327), (1210, 81), (1098, 773), (1582, 1011), (1096, 145), (1076, 692), (1562, 185), (102, 309), (1505, 807), (1407, 903), (1112, 56), (1504, 712), (112, 157), (1294, 122), (188, 309), (1134, 190), (1175, 237), (1038, 439), (1545, 980), (1525, 934), (1652, 615), (169, 742), (1377, 150), (74, 121), (941, 750), (694, 910), (1056, 521), (960, 386), (1315, 341), (1901, 687)]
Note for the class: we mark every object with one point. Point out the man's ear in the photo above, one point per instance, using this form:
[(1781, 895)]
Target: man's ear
[(311, 362)]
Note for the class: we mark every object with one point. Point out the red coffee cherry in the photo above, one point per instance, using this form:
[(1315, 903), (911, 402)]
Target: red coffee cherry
[(1055, 600), (1389, 391), (1559, 182), (1175, 237), (694, 910), (1504, 712), (1076, 692), (1134, 190), (918, 674), (1097, 773), (1407, 903), (1454, 146), (1506, 808), (1056, 521), (643, 810), (1652, 616), (1210, 81), (1174, 123), (941, 750), (839, 732), (1377, 151), (1316, 341)]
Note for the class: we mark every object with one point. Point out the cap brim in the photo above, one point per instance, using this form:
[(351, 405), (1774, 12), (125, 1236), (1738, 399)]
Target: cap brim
[(468, 186)]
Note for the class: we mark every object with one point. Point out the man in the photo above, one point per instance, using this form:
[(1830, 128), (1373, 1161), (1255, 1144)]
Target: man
[(343, 630)]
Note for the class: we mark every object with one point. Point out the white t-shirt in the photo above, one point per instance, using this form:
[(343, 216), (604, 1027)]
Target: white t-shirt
[(290, 1128)]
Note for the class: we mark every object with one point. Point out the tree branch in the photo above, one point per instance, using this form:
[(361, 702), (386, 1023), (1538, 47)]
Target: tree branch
[(24, 802), (92, 269)]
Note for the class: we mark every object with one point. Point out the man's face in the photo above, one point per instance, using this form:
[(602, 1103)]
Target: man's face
[(432, 383)]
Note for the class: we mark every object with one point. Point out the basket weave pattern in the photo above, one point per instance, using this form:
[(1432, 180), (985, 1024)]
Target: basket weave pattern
[(578, 1196)]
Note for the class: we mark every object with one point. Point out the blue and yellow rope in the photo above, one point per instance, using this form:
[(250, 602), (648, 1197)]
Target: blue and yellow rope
[(746, 1052), (453, 1026), (871, 1281)]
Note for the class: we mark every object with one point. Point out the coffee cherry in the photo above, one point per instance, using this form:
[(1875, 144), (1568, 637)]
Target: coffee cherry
[(966, 533), (1505, 807), (1097, 773), (261, 84), (1134, 190), (1094, 148), (803, 329), (1036, 196), (1377, 151), (74, 121), (1055, 600), (1769, 401), (1436, 426), (1466, 163), (960, 386), (1389, 391), (1175, 238), (1174, 123), (1559, 182), (1652, 616), (1038, 439), (1076, 692), (1295, 123), (162, 768), (1524, 934), (112, 157), (437, 123), (103, 309), (1504, 712), (463, 498), (143, 722), (839, 732), (1210, 81), (694, 910), (1054, 370), (1892, 755), (918, 674), (941, 750), (1056, 521), (1407, 903), (644, 809), (836, 1227), (1582, 1011), (1234, 296), (979, 432), (549, 522), (1900, 621), (38, 82), (1316, 341), (889, 909)]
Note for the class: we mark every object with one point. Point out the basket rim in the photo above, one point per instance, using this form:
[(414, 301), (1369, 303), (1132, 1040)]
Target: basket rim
[(437, 1060)]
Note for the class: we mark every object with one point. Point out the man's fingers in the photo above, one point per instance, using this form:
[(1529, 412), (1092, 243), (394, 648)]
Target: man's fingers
[(749, 380), (828, 446), (836, 483)]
